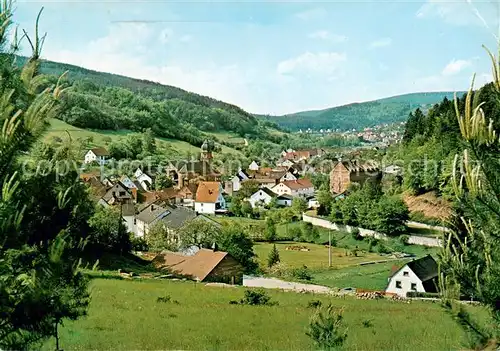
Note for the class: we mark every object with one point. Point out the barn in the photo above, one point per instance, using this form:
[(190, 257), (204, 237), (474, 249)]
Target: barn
[(204, 266)]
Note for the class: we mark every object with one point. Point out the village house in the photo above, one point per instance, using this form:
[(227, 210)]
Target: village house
[(299, 187), (288, 176), (146, 180), (284, 200), (209, 199), (285, 163), (171, 217), (98, 154), (254, 166), (117, 194), (302, 155), (128, 215), (234, 185), (204, 266), (261, 197), (344, 173), (416, 276)]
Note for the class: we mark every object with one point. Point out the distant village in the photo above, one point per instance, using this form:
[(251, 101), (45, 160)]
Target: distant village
[(197, 190), (385, 134)]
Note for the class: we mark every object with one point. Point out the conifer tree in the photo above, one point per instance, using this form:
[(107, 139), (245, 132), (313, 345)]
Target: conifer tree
[(274, 257)]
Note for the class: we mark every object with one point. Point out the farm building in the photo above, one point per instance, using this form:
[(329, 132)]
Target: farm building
[(204, 266), (346, 172), (416, 276)]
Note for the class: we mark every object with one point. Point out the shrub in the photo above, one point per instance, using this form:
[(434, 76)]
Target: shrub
[(403, 239), (301, 273), (256, 298), (164, 299), (355, 234), (314, 304), (383, 249), (326, 328), (138, 243), (421, 294), (367, 323), (295, 233)]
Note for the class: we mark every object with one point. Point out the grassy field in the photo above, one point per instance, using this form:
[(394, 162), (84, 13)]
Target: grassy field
[(125, 315), (61, 129), (316, 258), (371, 277)]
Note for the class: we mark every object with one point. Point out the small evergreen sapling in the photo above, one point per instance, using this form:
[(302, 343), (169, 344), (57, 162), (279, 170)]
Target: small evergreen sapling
[(274, 257)]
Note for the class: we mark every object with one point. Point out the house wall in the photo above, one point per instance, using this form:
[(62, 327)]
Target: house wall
[(90, 157), (258, 197), (288, 176), (204, 207), (142, 178), (129, 224), (227, 271), (339, 179), (141, 228), (284, 202), (405, 281)]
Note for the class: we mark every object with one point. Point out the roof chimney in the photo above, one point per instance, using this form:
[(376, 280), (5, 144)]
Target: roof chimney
[(152, 207), (214, 247)]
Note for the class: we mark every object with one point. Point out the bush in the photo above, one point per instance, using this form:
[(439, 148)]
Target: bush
[(355, 234), (421, 294), (257, 298), (326, 329), (301, 273), (138, 243), (383, 249), (295, 233), (403, 239), (314, 304)]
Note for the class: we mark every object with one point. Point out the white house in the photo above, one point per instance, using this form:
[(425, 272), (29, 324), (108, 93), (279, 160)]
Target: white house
[(285, 163), (261, 197), (254, 166), (209, 198), (299, 187), (284, 200), (144, 179), (418, 275), (98, 154), (237, 179), (288, 176)]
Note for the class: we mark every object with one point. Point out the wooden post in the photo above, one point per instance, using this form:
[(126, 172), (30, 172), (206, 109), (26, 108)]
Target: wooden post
[(329, 248)]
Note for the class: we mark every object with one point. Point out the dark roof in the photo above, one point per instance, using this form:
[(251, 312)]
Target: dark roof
[(178, 216), (153, 212), (285, 196), (425, 268), (128, 209), (267, 191), (357, 166), (100, 151)]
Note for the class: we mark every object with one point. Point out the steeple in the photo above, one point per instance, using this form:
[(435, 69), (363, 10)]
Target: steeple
[(206, 149)]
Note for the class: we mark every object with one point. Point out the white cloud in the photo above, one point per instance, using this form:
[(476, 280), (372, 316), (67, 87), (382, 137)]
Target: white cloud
[(455, 66), (185, 38), (462, 13), (383, 42), (312, 14), (323, 62), (326, 35)]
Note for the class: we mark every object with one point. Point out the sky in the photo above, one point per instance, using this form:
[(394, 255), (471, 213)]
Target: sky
[(275, 57)]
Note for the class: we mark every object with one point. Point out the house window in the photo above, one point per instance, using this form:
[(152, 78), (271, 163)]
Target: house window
[(398, 284), (413, 286), (406, 274), (122, 193)]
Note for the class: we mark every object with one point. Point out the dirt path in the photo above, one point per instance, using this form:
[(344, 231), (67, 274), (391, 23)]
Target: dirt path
[(273, 283)]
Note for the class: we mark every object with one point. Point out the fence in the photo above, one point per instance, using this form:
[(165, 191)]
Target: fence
[(413, 239)]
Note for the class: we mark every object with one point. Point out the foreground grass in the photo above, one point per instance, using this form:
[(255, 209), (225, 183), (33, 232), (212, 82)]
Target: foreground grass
[(124, 315)]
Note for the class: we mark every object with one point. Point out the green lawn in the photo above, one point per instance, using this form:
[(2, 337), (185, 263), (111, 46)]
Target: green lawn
[(316, 258), (125, 315), (371, 277)]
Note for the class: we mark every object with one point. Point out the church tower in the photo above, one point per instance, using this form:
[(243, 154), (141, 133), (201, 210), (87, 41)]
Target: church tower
[(206, 150)]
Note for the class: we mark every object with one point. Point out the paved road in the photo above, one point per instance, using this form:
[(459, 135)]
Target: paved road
[(273, 283)]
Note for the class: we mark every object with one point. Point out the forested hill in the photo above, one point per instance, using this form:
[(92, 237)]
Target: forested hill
[(99, 100), (361, 115)]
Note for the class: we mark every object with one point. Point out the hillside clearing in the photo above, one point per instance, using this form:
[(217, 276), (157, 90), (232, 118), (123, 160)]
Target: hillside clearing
[(126, 315)]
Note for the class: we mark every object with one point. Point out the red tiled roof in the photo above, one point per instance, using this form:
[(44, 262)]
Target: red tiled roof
[(208, 192), (298, 184), (197, 267)]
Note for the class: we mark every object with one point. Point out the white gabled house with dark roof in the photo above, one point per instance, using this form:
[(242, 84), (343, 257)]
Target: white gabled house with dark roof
[(416, 276), (261, 197), (98, 154)]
